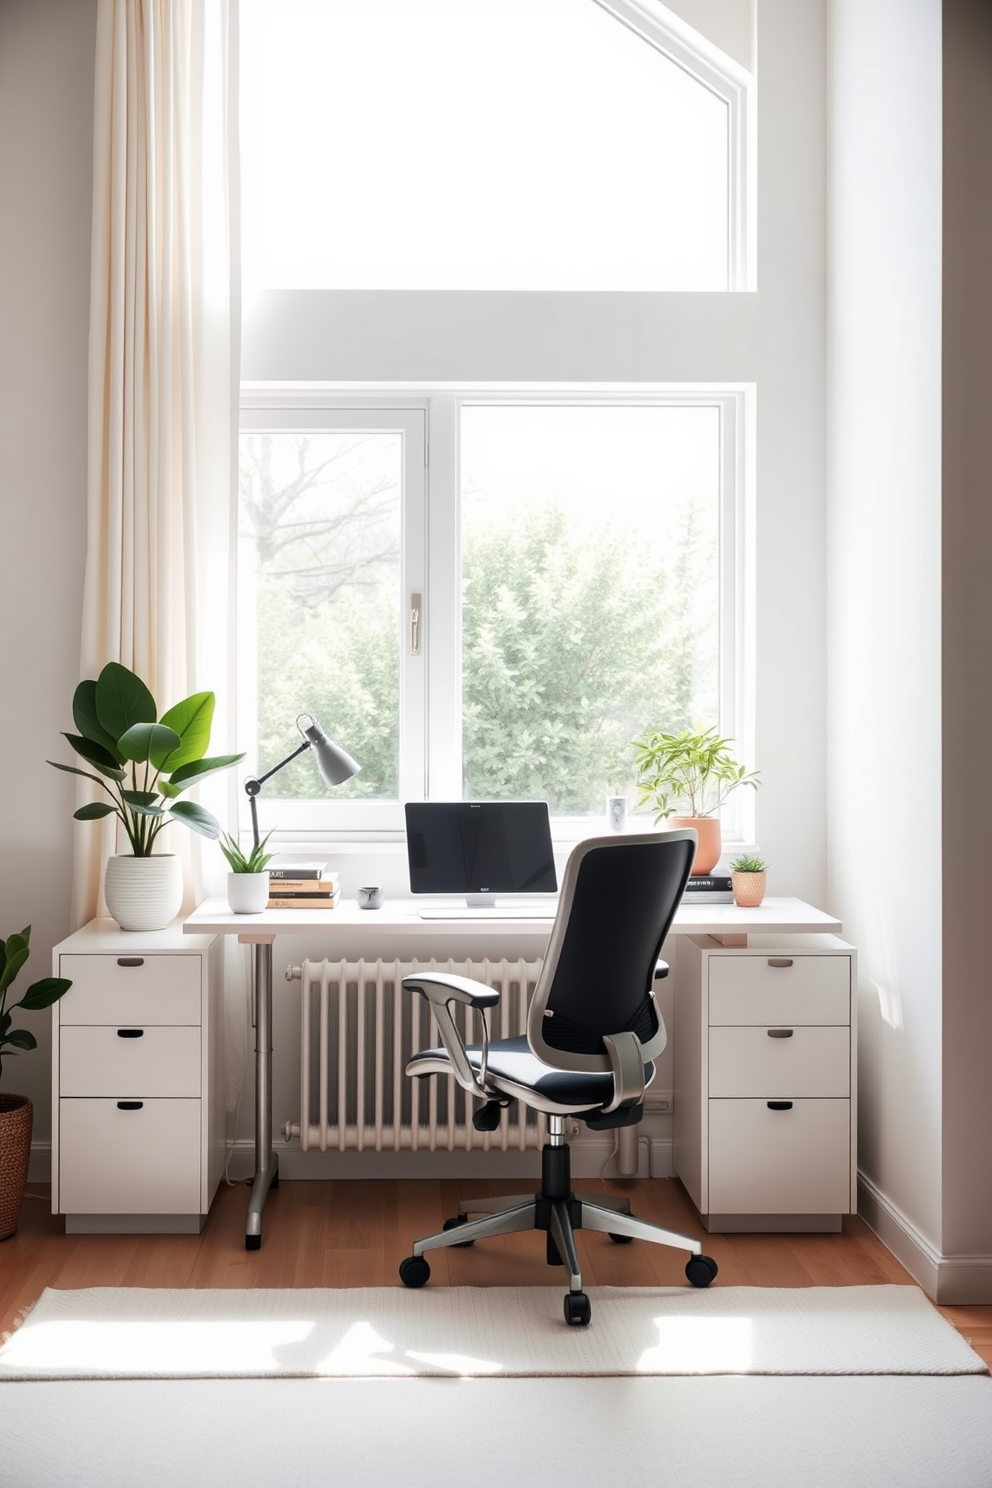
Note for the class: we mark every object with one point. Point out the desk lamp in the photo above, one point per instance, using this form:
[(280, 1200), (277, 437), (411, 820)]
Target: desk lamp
[(333, 762)]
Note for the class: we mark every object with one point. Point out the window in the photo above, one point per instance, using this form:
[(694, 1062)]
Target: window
[(575, 563), (487, 144)]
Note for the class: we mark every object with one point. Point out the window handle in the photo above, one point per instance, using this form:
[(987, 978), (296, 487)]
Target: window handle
[(415, 608)]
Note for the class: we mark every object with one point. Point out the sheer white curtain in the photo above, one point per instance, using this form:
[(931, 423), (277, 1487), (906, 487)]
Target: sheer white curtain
[(163, 373)]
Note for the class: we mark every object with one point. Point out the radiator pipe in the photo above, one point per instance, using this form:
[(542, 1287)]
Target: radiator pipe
[(627, 1151)]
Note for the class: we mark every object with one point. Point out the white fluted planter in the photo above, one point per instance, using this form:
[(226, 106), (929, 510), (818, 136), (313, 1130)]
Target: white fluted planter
[(143, 893), (248, 893)]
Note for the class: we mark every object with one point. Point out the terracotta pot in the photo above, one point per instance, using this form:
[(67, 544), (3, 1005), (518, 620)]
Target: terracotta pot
[(709, 843), (749, 889), (16, 1115)]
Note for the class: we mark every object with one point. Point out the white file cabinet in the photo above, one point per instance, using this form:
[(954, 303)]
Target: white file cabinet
[(765, 1060), (137, 1091)]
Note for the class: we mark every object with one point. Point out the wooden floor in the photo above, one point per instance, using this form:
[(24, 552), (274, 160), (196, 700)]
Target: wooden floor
[(355, 1233)]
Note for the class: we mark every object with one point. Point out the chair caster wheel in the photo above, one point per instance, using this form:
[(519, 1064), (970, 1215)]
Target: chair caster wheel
[(414, 1272), (700, 1270), (621, 1239), (577, 1309), (452, 1224), (253, 1242)]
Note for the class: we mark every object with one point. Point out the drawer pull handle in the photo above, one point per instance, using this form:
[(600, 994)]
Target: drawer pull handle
[(129, 1105), (130, 1033), (779, 960), (779, 1105), (130, 960), (780, 1032)]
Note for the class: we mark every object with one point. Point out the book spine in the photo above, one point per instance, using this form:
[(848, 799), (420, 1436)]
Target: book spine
[(299, 870), (305, 885), (707, 883), (302, 901)]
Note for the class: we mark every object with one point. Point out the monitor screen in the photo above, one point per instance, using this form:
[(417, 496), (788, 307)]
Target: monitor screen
[(480, 847)]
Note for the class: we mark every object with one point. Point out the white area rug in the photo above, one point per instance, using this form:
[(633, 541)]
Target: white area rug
[(478, 1332), (918, 1416)]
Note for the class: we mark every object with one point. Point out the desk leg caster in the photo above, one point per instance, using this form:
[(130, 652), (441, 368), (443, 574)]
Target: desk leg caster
[(253, 1242)]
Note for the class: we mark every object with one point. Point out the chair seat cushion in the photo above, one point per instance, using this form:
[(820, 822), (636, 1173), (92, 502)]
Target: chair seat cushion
[(512, 1059)]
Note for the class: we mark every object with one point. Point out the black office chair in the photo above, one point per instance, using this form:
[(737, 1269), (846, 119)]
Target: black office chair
[(593, 1029)]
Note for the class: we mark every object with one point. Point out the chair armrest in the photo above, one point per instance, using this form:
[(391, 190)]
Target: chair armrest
[(440, 988)]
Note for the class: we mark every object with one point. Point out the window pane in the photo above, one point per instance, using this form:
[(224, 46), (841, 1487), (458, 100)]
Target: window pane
[(590, 580), (474, 144), (319, 578)]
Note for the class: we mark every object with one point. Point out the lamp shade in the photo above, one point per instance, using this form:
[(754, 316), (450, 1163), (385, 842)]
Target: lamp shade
[(333, 762)]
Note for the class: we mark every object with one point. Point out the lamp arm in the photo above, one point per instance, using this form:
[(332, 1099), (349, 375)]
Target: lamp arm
[(254, 783)]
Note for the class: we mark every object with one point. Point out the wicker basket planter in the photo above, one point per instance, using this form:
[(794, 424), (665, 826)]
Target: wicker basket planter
[(16, 1114)]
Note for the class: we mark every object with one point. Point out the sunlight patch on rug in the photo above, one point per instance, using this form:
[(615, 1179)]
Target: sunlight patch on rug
[(479, 1332)]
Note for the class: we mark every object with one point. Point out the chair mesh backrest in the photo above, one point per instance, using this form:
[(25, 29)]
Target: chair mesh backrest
[(619, 897)]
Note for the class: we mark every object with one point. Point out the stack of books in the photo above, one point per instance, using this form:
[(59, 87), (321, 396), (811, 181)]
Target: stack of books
[(302, 885), (708, 888)]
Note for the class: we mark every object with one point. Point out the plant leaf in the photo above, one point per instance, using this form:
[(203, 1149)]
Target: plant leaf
[(93, 810), (198, 769), (84, 716), (143, 741), (122, 699), (21, 1039), (145, 803), (71, 770), (197, 818), (192, 720), (17, 951), (95, 754), (43, 993)]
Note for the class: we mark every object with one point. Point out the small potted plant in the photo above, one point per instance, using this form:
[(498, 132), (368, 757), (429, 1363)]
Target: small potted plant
[(691, 773), (248, 880), (747, 880), (16, 1111), (143, 764)]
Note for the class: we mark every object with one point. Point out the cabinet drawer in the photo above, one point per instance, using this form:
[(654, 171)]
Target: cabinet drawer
[(779, 1162), (780, 990), (145, 1161), (99, 1061), (130, 989), (750, 1062)]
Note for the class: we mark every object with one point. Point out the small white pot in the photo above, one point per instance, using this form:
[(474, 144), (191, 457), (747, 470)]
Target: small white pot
[(248, 893), (143, 893)]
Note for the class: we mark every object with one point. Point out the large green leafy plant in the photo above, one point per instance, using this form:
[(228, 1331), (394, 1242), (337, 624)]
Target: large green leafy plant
[(143, 762), (13, 954), (687, 773)]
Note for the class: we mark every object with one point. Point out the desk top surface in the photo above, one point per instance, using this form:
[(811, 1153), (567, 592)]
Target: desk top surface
[(774, 916)]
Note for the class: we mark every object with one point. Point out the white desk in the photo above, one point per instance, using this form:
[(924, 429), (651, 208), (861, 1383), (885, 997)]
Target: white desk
[(725, 922)]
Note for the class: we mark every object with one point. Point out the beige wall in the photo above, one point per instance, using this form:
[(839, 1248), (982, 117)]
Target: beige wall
[(46, 111), (966, 539)]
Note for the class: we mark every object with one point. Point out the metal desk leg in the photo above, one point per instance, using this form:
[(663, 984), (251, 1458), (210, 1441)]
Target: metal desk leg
[(266, 1162)]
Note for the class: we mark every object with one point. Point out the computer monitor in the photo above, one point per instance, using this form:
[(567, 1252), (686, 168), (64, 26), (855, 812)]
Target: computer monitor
[(480, 849)]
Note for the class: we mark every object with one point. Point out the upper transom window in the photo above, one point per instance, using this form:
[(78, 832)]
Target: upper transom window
[(484, 144)]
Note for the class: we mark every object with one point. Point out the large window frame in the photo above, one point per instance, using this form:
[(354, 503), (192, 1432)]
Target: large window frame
[(430, 683)]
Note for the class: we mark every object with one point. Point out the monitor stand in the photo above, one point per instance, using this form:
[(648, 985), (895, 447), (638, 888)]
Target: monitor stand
[(480, 901)]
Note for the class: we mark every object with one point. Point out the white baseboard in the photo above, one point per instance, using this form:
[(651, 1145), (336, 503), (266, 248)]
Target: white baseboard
[(953, 1281)]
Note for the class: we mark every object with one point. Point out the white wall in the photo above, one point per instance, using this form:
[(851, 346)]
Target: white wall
[(46, 127), (910, 531)]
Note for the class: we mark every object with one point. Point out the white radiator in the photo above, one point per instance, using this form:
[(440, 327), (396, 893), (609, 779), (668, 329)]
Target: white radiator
[(358, 1029)]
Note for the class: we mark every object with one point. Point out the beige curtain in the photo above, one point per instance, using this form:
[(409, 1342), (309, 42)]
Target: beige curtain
[(163, 373)]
